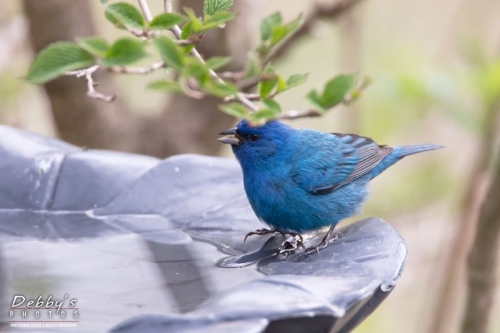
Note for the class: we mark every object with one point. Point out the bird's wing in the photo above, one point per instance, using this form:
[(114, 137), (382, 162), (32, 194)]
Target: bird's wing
[(335, 161)]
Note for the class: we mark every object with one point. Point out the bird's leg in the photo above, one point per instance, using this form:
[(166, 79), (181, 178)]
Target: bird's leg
[(324, 243), (262, 232)]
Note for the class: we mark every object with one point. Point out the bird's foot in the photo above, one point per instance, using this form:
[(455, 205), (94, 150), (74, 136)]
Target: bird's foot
[(324, 243), (291, 244), (262, 232)]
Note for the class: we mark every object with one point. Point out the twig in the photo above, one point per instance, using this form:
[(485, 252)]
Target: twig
[(253, 97), (168, 6), (185, 42), (293, 114), (137, 70), (191, 41), (251, 82), (189, 91), (235, 76), (249, 96), (177, 31), (248, 103), (323, 10), (91, 84), (240, 96), (145, 34), (145, 10)]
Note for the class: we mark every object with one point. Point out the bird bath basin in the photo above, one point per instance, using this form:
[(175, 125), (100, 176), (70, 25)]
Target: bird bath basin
[(142, 244)]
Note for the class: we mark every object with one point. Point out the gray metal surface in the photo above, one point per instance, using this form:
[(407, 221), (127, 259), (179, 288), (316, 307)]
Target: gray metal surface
[(146, 245)]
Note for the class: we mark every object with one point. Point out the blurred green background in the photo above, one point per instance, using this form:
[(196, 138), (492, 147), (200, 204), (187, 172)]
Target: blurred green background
[(435, 66)]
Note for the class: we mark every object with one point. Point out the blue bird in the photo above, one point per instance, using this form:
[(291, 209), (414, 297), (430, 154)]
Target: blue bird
[(300, 180)]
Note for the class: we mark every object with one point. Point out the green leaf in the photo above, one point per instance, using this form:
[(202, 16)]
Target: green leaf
[(170, 52), (122, 13), (260, 117), (57, 59), (95, 45), (216, 6), (166, 21), (267, 114), (215, 63), (272, 104), (267, 86), (114, 20), (165, 85), (295, 80), (216, 20), (195, 22), (220, 89), (273, 32), (334, 93), (186, 31), (195, 68), (104, 2), (280, 32), (235, 109), (124, 51), (186, 34), (336, 89), (281, 84), (263, 50), (253, 67), (315, 98), (267, 25)]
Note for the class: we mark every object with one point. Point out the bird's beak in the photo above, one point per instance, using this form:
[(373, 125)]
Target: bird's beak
[(230, 136)]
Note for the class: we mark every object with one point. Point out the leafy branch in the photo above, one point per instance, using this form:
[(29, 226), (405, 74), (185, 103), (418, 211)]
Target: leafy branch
[(91, 84), (186, 71), (319, 11)]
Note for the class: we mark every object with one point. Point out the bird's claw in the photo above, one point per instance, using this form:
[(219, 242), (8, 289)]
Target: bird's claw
[(338, 235), (310, 250), (291, 244), (262, 232), (324, 243), (298, 237)]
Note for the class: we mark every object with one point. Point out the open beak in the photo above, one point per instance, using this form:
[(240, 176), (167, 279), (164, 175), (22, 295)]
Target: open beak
[(230, 136)]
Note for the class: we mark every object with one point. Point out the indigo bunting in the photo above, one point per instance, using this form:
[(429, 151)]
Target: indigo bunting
[(299, 180)]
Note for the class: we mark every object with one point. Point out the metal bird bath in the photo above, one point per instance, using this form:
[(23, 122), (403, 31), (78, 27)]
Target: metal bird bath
[(144, 244)]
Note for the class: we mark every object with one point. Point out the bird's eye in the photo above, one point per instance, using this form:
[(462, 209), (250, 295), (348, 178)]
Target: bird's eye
[(254, 137)]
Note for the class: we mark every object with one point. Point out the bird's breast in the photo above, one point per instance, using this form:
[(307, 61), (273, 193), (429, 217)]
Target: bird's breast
[(269, 193)]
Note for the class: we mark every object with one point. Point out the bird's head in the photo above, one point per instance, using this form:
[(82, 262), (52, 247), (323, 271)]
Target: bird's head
[(257, 144)]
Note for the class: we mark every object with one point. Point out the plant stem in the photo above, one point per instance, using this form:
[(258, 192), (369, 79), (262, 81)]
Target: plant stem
[(177, 32), (293, 114), (145, 10), (168, 6), (91, 84), (137, 70), (320, 11)]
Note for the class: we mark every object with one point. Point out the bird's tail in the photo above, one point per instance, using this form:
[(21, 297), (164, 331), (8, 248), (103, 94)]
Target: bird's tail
[(398, 153), (415, 149)]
